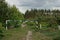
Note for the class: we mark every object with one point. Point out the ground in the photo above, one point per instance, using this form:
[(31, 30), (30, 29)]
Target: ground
[(25, 33)]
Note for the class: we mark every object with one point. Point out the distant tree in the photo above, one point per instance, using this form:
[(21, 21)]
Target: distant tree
[(26, 14)]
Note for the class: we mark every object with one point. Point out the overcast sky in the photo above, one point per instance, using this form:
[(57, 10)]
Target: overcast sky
[(23, 5)]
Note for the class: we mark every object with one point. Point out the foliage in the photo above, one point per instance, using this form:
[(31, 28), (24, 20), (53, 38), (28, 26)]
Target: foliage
[(52, 17), (13, 23), (1, 31), (9, 13), (14, 13)]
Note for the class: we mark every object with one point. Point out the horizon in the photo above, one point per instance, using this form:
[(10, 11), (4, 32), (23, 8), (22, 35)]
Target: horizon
[(24, 5)]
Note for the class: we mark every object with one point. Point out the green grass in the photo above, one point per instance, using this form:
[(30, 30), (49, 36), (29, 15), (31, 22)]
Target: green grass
[(15, 34), (20, 33), (53, 34)]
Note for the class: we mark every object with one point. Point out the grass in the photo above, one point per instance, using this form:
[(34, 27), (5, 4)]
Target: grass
[(53, 34), (20, 33), (15, 34)]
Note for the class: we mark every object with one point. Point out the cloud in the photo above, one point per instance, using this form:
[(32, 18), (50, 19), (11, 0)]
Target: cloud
[(55, 8), (23, 5)]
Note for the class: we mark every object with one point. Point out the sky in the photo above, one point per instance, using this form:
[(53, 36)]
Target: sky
[(24, 5)]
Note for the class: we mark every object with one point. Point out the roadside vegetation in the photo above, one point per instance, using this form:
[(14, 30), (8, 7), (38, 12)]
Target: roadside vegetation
[(43, 23)]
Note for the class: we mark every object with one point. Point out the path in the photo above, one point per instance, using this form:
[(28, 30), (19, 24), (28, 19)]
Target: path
[(29, 35)]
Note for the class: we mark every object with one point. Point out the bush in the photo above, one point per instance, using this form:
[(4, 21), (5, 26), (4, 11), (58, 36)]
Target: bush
[(57, 38), (13, 24), (1, 31)]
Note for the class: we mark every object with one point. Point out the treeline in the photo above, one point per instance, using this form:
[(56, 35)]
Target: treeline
[(43, 15), (8, 12), (41, 12)]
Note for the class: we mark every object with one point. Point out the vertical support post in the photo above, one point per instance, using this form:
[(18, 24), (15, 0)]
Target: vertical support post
[(59, 27), (6, 24), (40, 26)]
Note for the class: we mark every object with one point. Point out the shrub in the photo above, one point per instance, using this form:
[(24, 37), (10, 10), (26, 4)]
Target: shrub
[(1, 31)]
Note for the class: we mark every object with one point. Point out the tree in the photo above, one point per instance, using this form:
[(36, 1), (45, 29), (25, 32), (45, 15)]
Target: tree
[(3, 10), (14, 13), (9, 13)]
